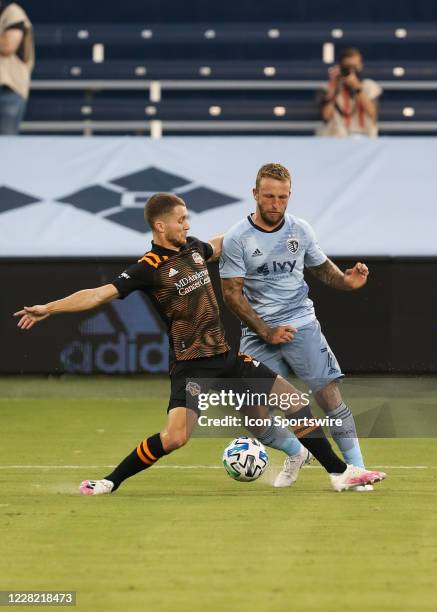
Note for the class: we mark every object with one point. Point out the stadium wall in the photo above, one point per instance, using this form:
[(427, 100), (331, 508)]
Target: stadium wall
[(389, 326), (79, 197)]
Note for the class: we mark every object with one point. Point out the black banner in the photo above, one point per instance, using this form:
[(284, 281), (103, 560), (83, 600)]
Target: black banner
[(390, 325)]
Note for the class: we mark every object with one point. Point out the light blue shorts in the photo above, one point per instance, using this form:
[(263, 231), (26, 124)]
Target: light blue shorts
[(308, 356)]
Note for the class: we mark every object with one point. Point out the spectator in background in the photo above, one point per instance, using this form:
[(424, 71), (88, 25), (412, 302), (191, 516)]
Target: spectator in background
[(349, 105), (16, 63)]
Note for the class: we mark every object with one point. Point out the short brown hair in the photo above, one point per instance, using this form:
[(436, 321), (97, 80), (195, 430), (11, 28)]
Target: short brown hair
[(160, 204), (274, 171), (349, 52)]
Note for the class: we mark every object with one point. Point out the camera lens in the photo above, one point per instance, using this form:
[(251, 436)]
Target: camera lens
[(347, 70)]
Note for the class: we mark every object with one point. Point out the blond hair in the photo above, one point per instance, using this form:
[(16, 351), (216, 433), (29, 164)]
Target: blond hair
[(274, 171)]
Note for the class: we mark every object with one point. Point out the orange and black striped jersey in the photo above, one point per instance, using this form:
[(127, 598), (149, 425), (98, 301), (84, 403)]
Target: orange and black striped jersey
[(179, 286)]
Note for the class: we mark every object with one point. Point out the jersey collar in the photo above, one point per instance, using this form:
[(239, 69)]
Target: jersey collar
[(260, 229), (160, 250)]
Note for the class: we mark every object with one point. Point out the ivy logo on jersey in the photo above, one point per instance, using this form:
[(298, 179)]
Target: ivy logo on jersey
[(197, 258), (278, 267), (264, 269), (293, 245), (284, 266)]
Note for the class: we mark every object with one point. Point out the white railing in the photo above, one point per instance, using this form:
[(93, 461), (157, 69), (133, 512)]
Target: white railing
[(156, 128), (181, 84)]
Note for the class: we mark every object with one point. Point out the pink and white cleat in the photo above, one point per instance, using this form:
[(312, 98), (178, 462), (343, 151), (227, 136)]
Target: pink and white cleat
[(354, 477), (96, 487)]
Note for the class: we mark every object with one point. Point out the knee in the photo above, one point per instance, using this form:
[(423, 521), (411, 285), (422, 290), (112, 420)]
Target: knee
[(174, 439), (329, 396)]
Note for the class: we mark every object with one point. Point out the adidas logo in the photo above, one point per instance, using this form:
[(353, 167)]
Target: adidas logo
[(124, 337), (256, 253), (172, 272)]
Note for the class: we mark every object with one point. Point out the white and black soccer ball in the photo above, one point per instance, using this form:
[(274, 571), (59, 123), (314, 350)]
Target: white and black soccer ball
[(245, 459)]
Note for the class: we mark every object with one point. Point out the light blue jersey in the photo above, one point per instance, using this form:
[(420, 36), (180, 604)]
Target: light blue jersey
[(272, 265)]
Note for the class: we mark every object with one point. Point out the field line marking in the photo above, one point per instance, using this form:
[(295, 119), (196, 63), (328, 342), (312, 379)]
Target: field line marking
[(127, 398), (193, 467)]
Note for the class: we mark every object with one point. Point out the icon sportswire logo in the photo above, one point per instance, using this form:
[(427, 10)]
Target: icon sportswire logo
[(123, 338), (121, 199)]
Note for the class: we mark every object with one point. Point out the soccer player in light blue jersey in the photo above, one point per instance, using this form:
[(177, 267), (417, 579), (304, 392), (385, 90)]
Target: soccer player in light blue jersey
[(262, 270)]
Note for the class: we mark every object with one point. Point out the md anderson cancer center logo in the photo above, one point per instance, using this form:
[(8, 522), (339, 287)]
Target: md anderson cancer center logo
[(190, 283)]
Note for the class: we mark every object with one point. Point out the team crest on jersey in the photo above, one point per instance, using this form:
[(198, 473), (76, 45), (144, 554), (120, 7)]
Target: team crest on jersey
[(197, 258), (193, 388), (293, 245)]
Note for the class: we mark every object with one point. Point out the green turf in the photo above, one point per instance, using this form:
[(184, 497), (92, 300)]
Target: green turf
[(189, 538)]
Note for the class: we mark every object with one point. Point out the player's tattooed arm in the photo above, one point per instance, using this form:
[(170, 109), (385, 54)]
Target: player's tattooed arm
[(235, 300), (76, 302), (216, 243), (331, 275)]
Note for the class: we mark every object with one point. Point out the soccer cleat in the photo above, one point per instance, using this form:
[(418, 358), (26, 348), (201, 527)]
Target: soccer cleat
[(96, 487), (354, 477), (292, 466)]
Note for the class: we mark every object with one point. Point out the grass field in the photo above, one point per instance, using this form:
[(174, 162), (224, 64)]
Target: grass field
[(184, 536)]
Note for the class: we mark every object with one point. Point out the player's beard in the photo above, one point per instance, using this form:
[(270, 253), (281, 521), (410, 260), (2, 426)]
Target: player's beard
[(271, 220)]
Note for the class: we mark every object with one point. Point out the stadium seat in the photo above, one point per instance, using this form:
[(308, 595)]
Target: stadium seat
[(201, 65), (206, 70), (217, 108), (227, 33)]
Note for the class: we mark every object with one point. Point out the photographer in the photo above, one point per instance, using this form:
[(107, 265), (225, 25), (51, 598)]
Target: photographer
[(16, 63), (349, 105)]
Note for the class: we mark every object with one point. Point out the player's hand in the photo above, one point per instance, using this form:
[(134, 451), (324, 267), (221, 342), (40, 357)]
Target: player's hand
[(334, 72), (356, 277), (281, 334), (31, 315)]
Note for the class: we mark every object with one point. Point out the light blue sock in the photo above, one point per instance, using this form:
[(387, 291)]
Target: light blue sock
[(345, 435), (280, 438)]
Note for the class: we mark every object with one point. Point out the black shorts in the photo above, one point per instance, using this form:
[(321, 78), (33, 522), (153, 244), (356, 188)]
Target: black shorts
[(215, 372)]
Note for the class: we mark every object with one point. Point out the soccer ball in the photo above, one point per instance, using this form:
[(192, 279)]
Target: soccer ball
[(245, 459)]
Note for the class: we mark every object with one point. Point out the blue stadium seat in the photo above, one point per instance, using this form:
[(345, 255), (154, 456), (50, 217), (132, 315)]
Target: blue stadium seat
[(211, 64), (218, 108), (203, 34), (210, 70)]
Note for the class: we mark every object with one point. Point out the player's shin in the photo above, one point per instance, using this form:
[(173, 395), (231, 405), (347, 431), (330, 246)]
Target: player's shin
[(280, 438), (314, 439), (144, 456), (345, 435), (310, 435)]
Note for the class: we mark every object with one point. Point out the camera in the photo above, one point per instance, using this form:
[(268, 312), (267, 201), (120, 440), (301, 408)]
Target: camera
[(345, 71)]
